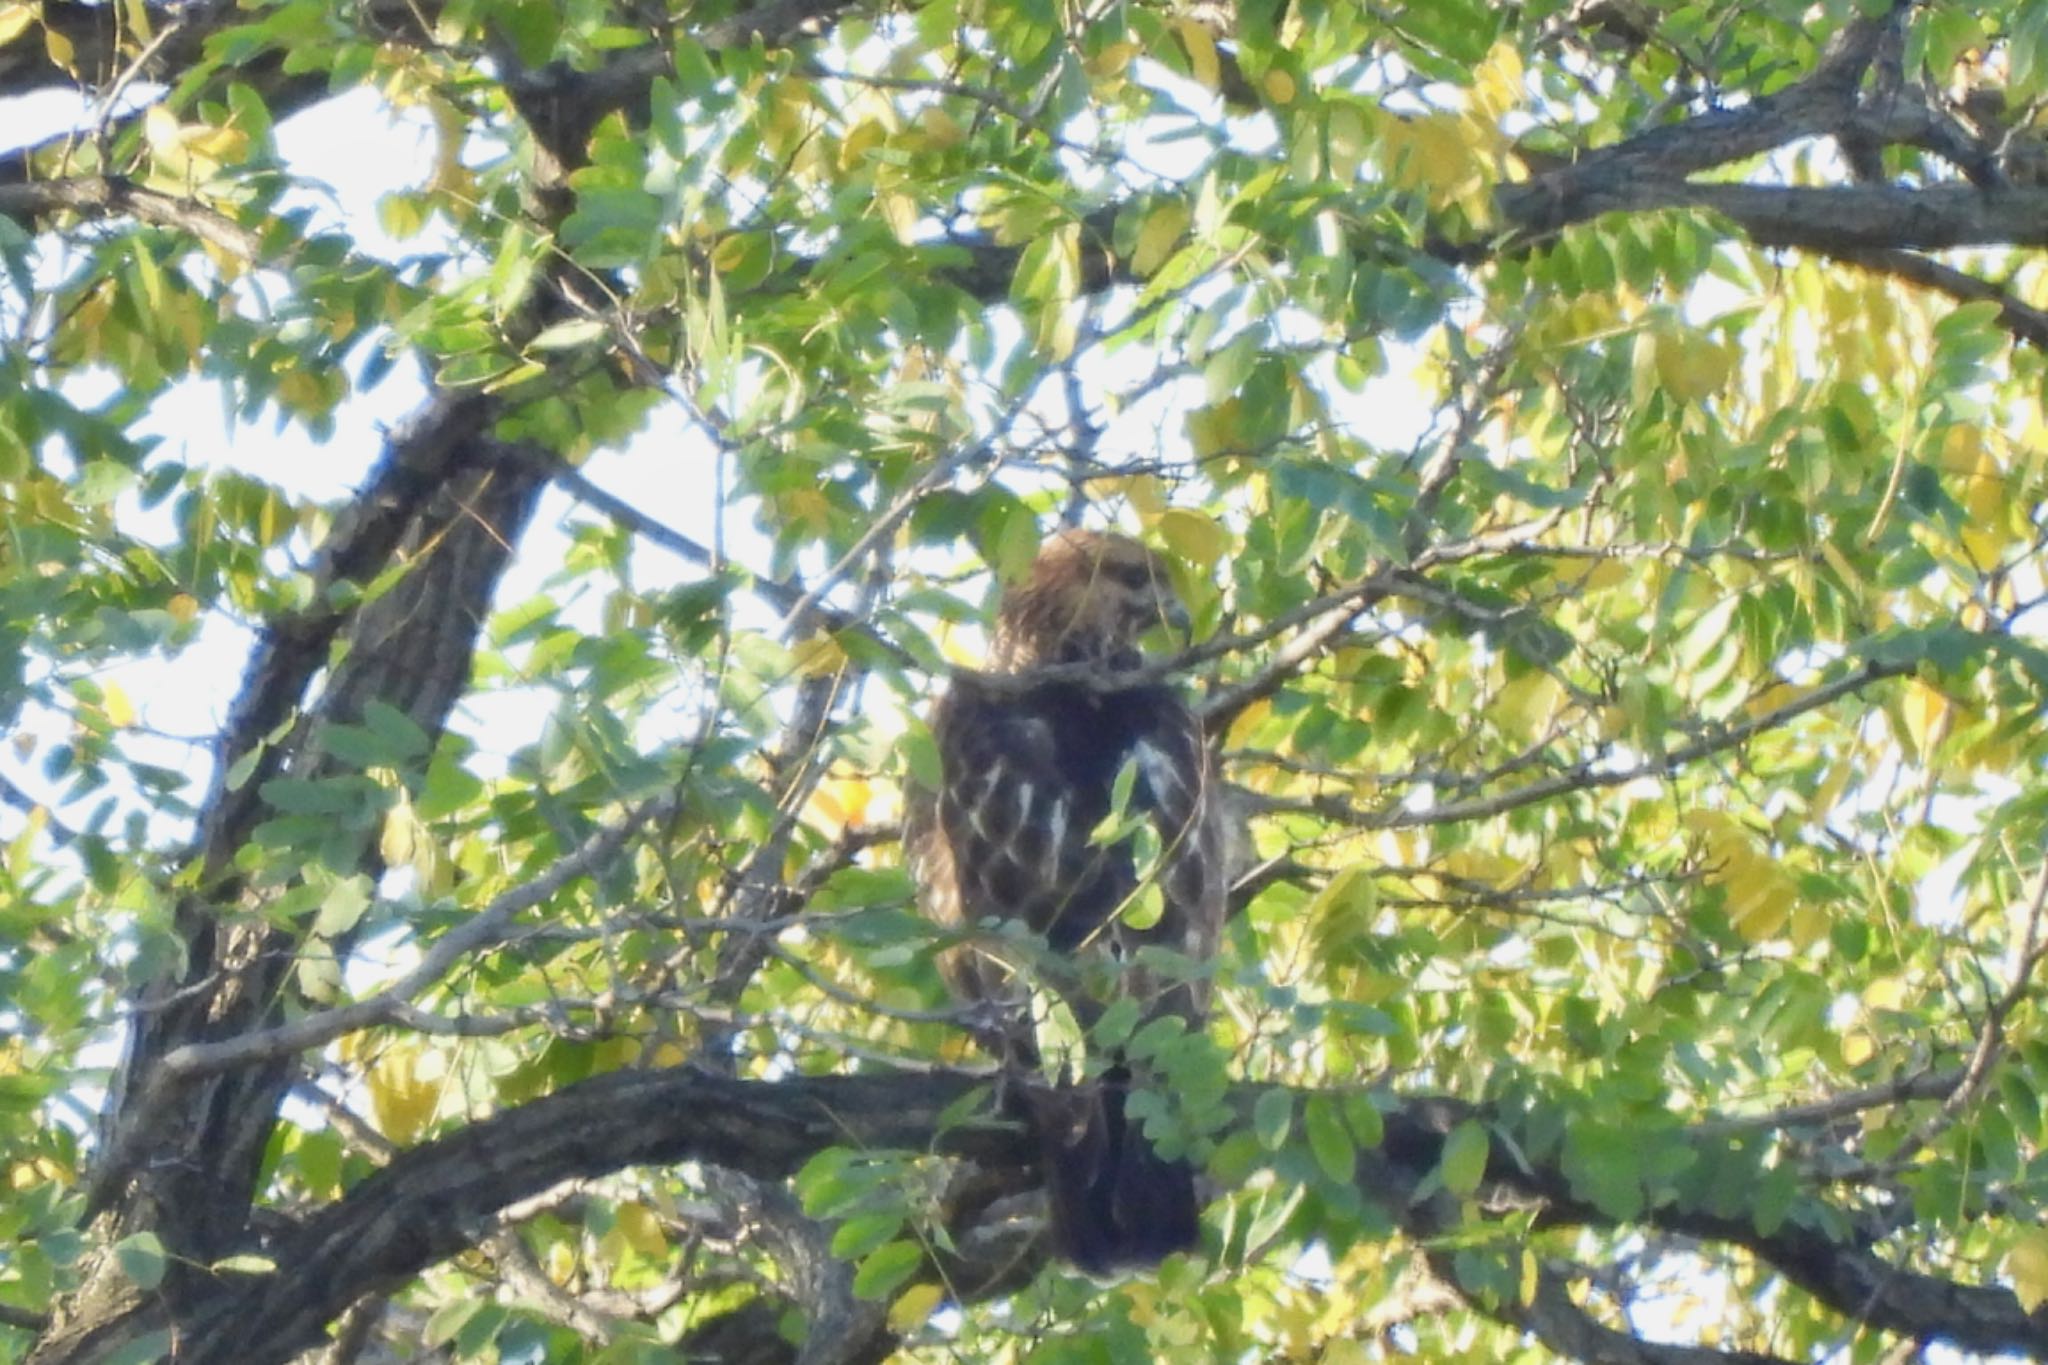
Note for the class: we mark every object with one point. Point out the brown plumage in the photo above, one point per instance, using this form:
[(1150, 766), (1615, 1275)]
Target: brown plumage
[(1028, 773)]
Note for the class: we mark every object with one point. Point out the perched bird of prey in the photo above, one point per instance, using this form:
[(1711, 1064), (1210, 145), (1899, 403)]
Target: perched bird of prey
[(1030, 769)]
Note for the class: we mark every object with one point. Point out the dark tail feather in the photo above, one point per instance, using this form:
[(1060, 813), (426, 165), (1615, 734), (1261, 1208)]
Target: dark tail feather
[(1116, 1203)]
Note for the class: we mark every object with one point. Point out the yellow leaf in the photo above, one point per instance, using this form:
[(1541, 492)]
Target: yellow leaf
[(1761, 894), (302, 391), (1759, 919), (1482, 866), (402, 1099), (859, 141), (14, 21), (2027, 1263), (1342, 911), (1690, 366), (1159, 235), (788, 121), (1839, 562), (729, 253), (1217, 428), (1201, 48), (1435, 153), (160, 130), (1529, 702), (913, 1306), (395, 843), (1194, 536), (819, 656), (1112, 61), (62, 53), (1248, 722), (899, 211), (1830, 790), (1992, 527), (955, 647), (1059, 328), (1349, 136), (1809, 925), (431, 866), (216, 144), (120, 708), (941, 128), (1772, 698), (641, 1230), (1497, 83), (1146, 493), (838, 803), (1925, 712)]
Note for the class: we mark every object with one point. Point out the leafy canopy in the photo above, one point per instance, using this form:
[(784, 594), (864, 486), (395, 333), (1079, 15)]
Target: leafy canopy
[(1601, 445)]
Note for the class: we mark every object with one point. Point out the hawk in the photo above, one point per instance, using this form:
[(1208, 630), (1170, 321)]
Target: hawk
[(1030, 771)]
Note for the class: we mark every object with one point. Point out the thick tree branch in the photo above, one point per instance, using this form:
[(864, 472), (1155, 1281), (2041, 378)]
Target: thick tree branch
[(1837, 221), (104, 196), (418, 461), (442, 1197)]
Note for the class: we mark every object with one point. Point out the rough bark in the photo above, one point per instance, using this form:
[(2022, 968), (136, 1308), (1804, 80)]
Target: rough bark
[(440, 1198)]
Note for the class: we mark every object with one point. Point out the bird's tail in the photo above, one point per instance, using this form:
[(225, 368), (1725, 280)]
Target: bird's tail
[(1116, 1203)]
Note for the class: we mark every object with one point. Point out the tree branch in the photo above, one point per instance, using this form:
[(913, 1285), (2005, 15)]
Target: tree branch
[(109, 195), (441, 1197), (1586, 777), (487, 928)]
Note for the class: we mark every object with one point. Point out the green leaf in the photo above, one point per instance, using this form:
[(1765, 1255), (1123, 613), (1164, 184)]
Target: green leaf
[(102, 481), (1113, 1028), (568, 336), (859, 1235), (1328, 1139), (343, 907), (296, 796), (886, 1270), (1156, 1036), (448, 1320), (1603, 1169), (532, 25), (1368, 1125), (1273, 1118), (1464, 1157), (239, 771), (398, 730), (142, 1259)]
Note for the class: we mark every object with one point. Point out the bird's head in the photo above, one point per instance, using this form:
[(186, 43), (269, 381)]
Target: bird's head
[(1087, 599)]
